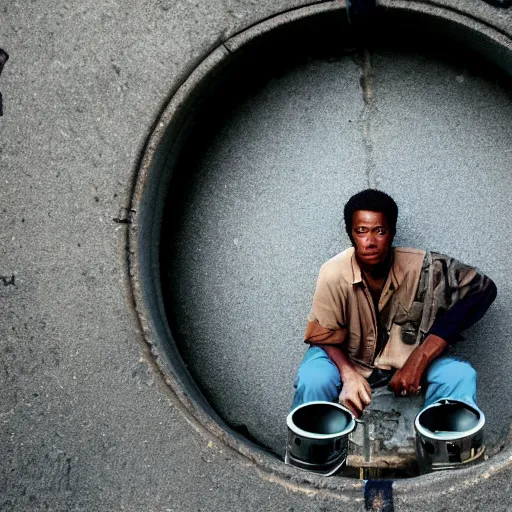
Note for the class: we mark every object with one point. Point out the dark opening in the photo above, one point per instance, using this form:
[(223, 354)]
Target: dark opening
[(449, 417), (321, 419)]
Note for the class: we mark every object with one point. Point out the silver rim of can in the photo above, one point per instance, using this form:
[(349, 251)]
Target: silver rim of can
[(311, 435), (456, 435)]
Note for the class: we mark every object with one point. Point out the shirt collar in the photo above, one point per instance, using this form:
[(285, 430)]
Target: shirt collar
[(395, 271)]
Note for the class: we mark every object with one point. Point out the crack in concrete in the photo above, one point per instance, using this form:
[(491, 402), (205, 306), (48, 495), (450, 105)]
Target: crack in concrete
[(3, 59), (125, 216), (366, 82)]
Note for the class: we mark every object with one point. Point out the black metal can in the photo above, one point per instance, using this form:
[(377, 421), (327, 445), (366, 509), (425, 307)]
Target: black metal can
[(449, 435), (318, 436)]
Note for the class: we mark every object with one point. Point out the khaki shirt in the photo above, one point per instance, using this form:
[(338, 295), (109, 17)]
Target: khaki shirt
[(343, 310)]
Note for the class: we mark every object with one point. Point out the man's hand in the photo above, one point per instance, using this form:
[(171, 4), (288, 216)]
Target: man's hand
[(407, 379), (356, 393)]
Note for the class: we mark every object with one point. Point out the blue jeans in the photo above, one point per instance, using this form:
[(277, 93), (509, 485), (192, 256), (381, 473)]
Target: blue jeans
[(318, 378)]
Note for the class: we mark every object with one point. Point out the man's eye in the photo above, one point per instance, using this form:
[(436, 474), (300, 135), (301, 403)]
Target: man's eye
[(381, 231)]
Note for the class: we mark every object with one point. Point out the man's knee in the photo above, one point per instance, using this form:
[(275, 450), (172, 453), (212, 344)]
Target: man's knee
[(452, 375), (321, 380), (451, 378), (451, 368), (464, 371), (461, 371)]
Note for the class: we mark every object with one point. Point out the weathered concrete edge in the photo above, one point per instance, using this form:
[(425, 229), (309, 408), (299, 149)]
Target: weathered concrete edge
[(468, 10), (176, 111), (237, 41), (492, 42)]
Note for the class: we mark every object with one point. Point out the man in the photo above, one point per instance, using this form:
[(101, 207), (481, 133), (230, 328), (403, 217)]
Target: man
[(386, 315)]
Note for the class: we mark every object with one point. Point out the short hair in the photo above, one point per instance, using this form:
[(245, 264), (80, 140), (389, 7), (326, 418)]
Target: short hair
[(374, 201)]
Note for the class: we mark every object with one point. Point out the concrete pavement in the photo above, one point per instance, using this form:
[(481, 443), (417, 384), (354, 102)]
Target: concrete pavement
[(88, 422)]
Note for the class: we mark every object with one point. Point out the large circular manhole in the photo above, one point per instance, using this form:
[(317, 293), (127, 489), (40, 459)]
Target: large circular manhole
[(241, 191)]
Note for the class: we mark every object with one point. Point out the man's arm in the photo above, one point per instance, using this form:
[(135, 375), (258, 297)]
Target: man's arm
[(356, 393), (445, 330)]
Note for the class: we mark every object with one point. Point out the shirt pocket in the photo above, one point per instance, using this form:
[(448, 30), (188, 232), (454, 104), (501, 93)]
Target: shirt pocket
[(411, 323)]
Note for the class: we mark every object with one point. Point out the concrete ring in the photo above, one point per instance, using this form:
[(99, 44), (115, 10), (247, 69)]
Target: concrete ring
[(147, 200)]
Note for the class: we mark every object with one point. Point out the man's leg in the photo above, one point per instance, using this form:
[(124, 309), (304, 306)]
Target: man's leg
[(449, 377), (318, 378)]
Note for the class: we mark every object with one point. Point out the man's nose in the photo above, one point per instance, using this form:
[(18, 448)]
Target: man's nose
[(370, 241)]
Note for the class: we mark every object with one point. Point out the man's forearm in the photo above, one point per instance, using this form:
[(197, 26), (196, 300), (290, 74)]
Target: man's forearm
[(432, 347), (407, 379), (341, 360)]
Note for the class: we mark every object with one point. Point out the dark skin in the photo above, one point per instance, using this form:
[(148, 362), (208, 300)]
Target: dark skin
[(372, 242)]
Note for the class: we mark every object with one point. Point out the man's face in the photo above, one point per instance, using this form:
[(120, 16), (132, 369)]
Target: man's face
[(371, 236)]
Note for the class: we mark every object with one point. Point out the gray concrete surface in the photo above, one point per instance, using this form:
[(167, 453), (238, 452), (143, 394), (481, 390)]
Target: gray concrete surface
[(87, 423), (264, 207)]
